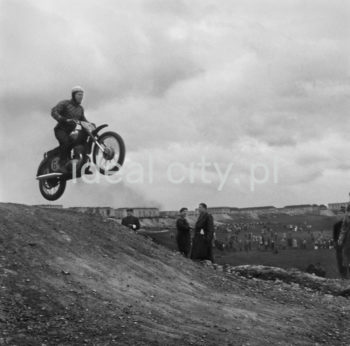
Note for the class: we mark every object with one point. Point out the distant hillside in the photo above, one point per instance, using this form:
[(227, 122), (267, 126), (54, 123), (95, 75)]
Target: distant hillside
[(68, 278)]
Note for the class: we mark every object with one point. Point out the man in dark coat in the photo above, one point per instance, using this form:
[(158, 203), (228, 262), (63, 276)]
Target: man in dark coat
[(339, 253), (131, 221), (183, 236), (202, 248)]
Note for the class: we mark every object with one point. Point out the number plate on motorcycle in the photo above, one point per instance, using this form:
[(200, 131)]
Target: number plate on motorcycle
[(55, 164)]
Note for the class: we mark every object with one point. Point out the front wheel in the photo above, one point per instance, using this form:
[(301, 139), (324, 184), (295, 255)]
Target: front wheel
[(53, 188), (112, 158)]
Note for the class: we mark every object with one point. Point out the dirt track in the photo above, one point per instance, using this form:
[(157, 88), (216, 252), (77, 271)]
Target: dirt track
[(73, 279)]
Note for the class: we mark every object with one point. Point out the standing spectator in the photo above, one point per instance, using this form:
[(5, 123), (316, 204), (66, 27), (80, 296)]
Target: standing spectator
[(260, 242), (304, 244), (231, 242), (250, 239), (183, 236), (266, 244), (246, 244), (202, 248), (316, 245), (240, 244), (284, 243), (130, 220), (294, 243)]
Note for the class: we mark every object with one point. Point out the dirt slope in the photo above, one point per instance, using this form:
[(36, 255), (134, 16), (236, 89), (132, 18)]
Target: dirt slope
[(72, 279)]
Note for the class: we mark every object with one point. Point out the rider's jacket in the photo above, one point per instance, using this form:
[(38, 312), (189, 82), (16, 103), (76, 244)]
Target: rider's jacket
[(67, 109)]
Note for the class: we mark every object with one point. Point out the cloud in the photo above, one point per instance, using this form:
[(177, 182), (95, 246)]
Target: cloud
[(236, 82)]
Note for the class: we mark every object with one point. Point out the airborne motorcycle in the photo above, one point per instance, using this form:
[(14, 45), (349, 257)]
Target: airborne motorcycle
[(107, 151)]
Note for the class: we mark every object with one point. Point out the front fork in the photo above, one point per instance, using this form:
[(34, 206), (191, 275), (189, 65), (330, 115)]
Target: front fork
[(108, 153), (95, 140)]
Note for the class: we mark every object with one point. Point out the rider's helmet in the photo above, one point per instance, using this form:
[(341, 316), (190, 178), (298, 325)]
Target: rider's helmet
[(76, 89)]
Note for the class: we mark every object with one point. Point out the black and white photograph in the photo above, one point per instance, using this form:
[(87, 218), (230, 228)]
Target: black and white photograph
[(175, 172)]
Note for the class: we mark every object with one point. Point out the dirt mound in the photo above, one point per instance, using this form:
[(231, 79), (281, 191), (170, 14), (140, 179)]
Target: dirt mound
[(71, 279)]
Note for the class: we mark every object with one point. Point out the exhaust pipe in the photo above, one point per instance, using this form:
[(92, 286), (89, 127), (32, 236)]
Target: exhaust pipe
[(48, 176)]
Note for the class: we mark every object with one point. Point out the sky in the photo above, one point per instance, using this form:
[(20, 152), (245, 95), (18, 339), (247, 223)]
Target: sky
[(231, 103)]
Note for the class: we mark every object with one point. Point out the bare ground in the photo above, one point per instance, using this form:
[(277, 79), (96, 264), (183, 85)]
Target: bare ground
[(73, 279)]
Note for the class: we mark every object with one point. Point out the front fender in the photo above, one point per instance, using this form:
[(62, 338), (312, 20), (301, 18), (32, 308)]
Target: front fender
[(98, 129), (42, 163)]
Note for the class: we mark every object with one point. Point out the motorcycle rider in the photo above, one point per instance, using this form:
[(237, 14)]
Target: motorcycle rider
[(66, 113)]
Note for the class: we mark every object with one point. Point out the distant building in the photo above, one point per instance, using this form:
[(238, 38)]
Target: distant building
[(298, 206), (222, 210), (141, 212), (302, 209), (258, 210), (117, 213), (337, 206), (52, 206), (145, 212), (103, 211), (193, 213), (169, 213), (174, 213), (80, 209)]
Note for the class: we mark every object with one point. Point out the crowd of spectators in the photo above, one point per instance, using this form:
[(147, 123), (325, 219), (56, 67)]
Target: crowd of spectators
[(263, 237)]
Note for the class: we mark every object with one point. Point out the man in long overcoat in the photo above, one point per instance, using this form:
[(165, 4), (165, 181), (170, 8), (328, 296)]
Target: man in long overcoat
[(202, 248)]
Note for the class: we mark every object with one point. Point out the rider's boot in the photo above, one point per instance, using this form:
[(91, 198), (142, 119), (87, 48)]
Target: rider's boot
[(87, 169)]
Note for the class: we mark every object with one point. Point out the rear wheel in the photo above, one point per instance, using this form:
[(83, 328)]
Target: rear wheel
[(53, 188), (111, 160)]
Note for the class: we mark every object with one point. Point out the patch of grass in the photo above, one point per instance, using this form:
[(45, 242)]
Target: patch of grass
[(289, 258)]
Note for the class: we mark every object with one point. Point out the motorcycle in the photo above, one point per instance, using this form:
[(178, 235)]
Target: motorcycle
[(107, 151)]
